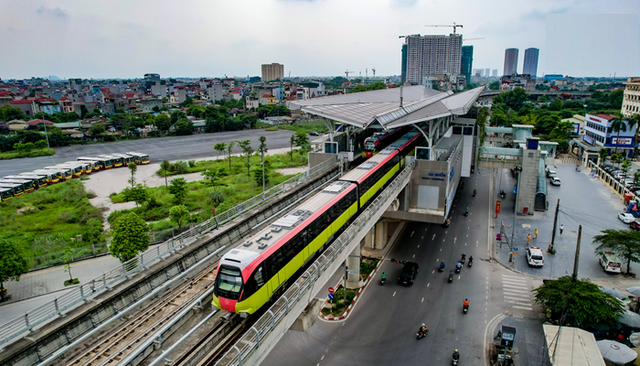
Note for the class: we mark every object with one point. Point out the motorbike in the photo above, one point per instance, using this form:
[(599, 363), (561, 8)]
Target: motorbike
[(470, 262), (445, 223), (458, 268), (383, 281), (466, 212), (450, 276), (465, 308), (474, 193), (455, 359), (462, 259), (421, 334), (502, 194), (441, 269)]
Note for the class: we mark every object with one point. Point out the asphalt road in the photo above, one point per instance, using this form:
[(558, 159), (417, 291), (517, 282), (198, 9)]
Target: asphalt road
[(168, 148), (381, 328)]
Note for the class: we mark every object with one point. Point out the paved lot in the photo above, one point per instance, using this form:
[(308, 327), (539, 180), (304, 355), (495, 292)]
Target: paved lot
[(583, 201), (166, 148)]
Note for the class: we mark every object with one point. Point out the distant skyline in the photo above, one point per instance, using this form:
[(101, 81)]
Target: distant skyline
[(207, 38)]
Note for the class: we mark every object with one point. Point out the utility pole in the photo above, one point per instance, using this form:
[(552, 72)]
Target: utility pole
[(553, 234), (515, 210), (346, 274), (576, 260)]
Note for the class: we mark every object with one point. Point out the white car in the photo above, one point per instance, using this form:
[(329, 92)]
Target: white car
[(627, 218), (555, 181), (534, 257)]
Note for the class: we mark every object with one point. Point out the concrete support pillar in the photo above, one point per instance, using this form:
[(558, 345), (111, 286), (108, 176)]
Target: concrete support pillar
[(368, 239), (353, 262), (381, 235)]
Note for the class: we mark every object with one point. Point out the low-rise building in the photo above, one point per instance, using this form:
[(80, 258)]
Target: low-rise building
[(23, 105), (598, 132), (631, 99)]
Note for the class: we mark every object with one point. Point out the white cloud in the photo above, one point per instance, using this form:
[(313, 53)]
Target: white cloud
[(123, 38)]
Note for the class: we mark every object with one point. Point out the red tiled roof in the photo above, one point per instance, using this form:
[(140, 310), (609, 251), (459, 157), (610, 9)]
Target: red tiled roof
[(4, 93), (129, 95), (236, 92), (267, 96), (20, 101), (605, 116), (37, 122), (5, 86)]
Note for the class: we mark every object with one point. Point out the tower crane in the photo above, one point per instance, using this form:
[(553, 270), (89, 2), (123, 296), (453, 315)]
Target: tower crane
[(471, 39), (454, 25), (347, 72)]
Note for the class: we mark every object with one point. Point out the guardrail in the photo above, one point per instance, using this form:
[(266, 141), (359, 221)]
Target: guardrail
[(253, 338), (611, 181), (107, 280)]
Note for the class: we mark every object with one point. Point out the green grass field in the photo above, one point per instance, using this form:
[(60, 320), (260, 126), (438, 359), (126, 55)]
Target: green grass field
[(26, 154), (236, 186), (61, 208)]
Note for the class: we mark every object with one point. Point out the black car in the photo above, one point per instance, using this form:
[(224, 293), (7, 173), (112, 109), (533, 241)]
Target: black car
[(409, 272), (313, 133)]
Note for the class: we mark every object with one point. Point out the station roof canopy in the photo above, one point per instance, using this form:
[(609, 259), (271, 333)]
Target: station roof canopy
[(383, 106)]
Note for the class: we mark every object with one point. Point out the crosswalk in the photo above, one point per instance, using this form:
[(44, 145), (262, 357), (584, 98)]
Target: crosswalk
[(517, 292)]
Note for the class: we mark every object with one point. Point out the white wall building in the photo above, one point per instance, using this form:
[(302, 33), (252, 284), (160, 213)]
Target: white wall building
[(631, 99)]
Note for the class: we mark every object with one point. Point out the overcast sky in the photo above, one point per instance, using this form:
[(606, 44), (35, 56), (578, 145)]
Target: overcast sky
[(128, 38)]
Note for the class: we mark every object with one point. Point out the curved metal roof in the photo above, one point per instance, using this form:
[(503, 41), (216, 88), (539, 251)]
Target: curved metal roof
[(383, 106)]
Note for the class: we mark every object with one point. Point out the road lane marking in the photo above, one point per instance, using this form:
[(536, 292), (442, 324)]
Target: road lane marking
[(455, 238), (446, 231), (418, 245), (458, 277), (425, 229), (437, 260), (434, 237), (440, 249), (465, 244), (422, 300), (428, 284), (476, 243), (422, 237), (323, 355), (411, 236), (394, 294), (434, 271), (414, 256), (521, 307)]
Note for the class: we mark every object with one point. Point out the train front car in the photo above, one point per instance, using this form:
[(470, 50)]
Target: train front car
[(260, 268)]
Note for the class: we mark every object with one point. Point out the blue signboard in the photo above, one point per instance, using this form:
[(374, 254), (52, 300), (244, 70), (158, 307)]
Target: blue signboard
[(331, 296), (515, 189)]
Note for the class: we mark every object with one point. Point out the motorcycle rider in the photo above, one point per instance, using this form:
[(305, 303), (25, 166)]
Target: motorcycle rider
[(465, 303), (464, 256), (458, 265), (456, 355), (474, 192), (383, 277), (466, 211), (470, 260), (442, 265), (423, 329)]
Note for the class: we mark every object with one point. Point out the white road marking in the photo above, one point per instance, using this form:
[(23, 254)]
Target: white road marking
[(418, 245), (476, 243), (521, 307), (443, 240), (434, 271), (458, 277), (422, 237), (422, 300), (516, 277), (446, 231), (465, 244), (428, 284), (437, 260), (434, 236), (455, 238), (425, 229), (414, 256), (322, 355), (411, 234), (468, 227), (394, 294), (515, 296)]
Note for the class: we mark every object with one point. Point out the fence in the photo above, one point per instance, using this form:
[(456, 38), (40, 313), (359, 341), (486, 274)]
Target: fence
[(254, 337), (57, 258), (611, 181), (78, 295)]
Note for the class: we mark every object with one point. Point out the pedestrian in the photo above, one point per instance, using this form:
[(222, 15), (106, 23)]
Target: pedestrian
[(561, 228), (528, 238), (535, 234), (620, 337)]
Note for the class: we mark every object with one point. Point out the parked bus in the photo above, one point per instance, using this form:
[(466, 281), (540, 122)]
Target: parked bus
[(77, 168), (126, 158), (6, 193), (116, 160), (29, 184), (52, 176), (97, 165), (41, 181), (65, 172), (87, 166), (139, 158), (16, 188), (105, 163)]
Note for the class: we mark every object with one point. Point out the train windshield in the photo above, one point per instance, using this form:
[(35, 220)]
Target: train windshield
[(229, 282)]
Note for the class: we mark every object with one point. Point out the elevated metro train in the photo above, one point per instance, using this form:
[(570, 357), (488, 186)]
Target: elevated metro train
[(249, 275), (380, 140)]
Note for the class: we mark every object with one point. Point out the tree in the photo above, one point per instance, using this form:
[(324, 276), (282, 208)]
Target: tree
[(247, 149), (67, 258), (213, 177), (603, 153), (178, 188), (626, 165), (97, 129), (130, 237), (133, 168), (176, 115), (292, 142), (615, 158), (12, 263), (219, 147), (166, 168), (556, 105), (618, 124), (162, 122), (179, 214), (624, 243), (498, 118), (8, 113), (615, 99), (530, 119), (257, 175), (217, 198), (636, 179), (184, 127), (229, 150), (137, 194), (581, 299)]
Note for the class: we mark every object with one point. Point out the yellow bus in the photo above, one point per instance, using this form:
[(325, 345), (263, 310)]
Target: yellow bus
[(28, 184), (6, 193), (77, 168), (17, 188), (105, 163), (41, 181), (117, 161), (139, 158), (51, 176), (65, 173)]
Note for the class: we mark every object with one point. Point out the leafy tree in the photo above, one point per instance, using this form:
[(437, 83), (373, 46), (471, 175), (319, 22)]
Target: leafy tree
[(618, 124), (176, 115), (626, 165), (217, 198), (229, 150), (636, 179), (262, 149), (219, 147), (624, 243), (184, 127), (247, 149), (130, 237), (165, 165), (133, 168), (257, 175), (179, 214), (514, 99), (213, 177), (67, 258), (556, 105), (178, 188), (137, 194), (615, 158), (530, 119), (615, 98), (12, 263), (301, 139), (603, 153), (292, 142), (495, 85), (162, 122), (8, 113), (97, 129), (498, 118), (581, 299), (249, 119), (187, 102)]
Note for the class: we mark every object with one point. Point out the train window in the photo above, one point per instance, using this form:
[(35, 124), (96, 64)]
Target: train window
[(259, 277)]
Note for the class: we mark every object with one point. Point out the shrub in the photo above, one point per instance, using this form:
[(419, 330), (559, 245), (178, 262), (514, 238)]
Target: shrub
[(192, 163), (179, 167)]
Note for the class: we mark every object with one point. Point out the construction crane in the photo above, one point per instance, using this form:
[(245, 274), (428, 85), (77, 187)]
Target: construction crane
[(289, 75), (347, 72), (471, 39), (366, 73), (454, 25), (374, 72)]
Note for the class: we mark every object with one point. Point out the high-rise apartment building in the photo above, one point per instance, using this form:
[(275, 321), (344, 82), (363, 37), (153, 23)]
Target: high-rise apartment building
[(432, 55), (272, 72), (494, 73), (487, 72), (467, 62), (510, 61), (531, 61)]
